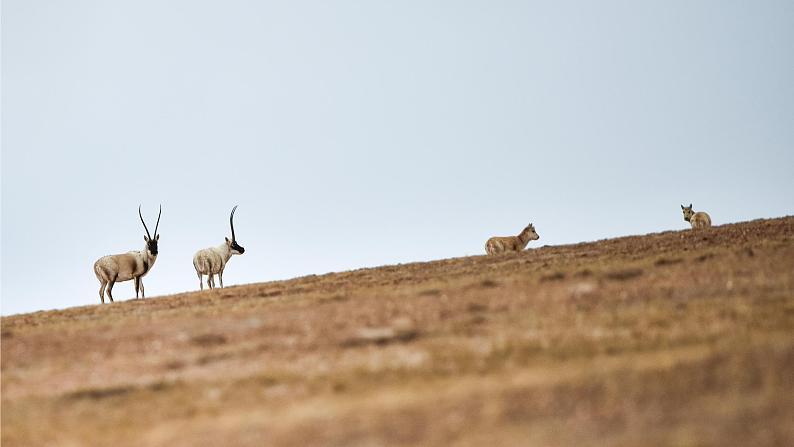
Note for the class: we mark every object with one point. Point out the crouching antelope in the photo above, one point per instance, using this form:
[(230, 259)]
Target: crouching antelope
[(503, 244), (131, 265), (698, 219), (212, 261)]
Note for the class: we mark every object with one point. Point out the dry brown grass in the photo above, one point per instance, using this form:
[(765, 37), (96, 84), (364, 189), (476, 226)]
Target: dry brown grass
[(678, 338)]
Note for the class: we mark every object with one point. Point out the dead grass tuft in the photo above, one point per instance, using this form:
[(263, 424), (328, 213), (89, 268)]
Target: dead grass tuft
[(624, 275)]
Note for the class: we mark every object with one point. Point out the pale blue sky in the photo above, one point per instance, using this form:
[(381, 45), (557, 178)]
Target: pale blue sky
[(358, 134)]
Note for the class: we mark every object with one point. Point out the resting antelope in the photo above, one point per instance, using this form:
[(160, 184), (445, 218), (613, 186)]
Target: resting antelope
[(211, 261), (502, 244), (698, 220), (131, 265)]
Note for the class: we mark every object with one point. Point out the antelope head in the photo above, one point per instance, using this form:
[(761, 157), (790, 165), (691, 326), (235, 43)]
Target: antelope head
[(151, 243), (236, 248), (688, 213), (530, 232)]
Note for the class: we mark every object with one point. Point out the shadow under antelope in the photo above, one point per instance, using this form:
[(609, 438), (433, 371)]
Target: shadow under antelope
[(503, 244), (126, 266), (698, 219)]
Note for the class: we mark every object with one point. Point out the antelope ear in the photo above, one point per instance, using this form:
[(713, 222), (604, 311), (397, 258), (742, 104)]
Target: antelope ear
[(146, 238), (682, 206), (690, 205), (227, 239), (157, 238)]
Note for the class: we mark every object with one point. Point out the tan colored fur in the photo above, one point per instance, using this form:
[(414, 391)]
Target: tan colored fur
[(698, 219), (212, 261), (503, 244), (133, 265)]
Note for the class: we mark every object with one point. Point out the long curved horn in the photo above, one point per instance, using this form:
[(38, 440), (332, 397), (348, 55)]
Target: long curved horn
[(144, 223), (231, 221), (158, 221)]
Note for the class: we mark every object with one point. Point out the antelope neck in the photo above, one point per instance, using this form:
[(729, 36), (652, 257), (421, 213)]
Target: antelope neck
[(225, 251)]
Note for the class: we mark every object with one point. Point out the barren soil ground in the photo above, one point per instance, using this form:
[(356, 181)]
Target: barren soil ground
[(678, 338)]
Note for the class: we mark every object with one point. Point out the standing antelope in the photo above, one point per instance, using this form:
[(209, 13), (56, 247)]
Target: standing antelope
[(131, 265), (211, 261), (502, 244), (698, 220)]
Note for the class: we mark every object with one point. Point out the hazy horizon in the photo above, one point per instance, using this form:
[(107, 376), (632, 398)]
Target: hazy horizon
[(356, 135)]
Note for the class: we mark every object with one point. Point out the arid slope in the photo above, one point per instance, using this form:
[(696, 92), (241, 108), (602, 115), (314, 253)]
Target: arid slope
[(678, 338)]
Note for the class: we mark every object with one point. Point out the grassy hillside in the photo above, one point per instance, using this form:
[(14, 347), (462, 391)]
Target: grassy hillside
[(678, 338)]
